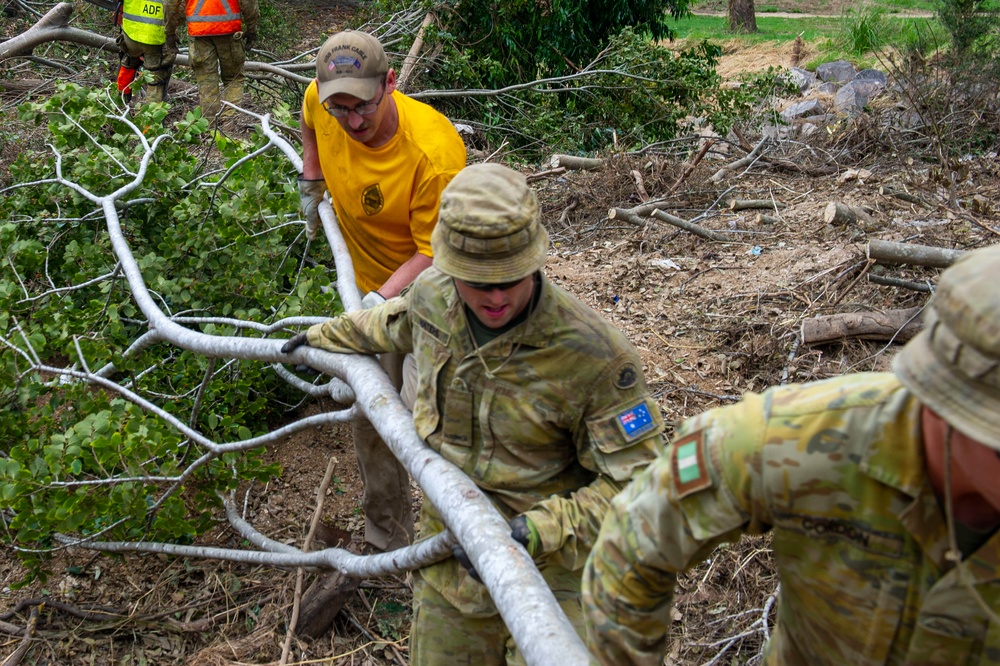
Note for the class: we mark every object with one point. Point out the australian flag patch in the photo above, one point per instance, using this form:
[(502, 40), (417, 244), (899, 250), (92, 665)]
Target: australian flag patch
[(635, 421)]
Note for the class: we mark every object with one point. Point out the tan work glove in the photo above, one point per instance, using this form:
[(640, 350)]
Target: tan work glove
[(371, 299), (310, 194)]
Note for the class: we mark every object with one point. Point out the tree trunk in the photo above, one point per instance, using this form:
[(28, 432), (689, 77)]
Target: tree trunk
[(742, 17)]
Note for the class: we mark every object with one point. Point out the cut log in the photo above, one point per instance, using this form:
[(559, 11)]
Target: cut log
[(767, 219), (841, 214), (895, 325), (574, 162), (322, 601), (912, 255)]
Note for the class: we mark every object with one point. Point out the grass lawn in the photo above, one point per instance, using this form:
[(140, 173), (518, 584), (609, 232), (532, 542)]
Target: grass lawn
[(852, 35), (779, 29), (834, 7)]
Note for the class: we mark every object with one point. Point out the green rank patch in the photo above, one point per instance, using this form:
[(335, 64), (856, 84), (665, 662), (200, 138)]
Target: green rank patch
[(690, 471)]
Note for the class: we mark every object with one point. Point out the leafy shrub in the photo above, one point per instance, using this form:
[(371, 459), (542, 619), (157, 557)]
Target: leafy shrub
[(522, 40)]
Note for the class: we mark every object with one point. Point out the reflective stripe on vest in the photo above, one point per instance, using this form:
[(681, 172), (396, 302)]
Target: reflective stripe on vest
[(213, 17), (142, 21)]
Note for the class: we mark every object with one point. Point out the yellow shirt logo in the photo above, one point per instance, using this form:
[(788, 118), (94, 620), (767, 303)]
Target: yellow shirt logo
[(372, 199)]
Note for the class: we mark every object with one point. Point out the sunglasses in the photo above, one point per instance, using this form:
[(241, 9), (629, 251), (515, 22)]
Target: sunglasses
[(490, 286)]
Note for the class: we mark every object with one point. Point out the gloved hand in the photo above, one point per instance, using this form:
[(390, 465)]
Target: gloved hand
[(249, 39), (525, 533), (296, 342), (168, 58), (310, 195), (170, 46), (371, 299), (466, 563)]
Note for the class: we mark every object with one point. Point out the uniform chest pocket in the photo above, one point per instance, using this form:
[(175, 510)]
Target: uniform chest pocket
[(940, 640), (456, 423)]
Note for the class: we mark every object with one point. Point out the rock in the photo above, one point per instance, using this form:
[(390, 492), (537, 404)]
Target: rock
[(827, 88), (807, 129), (867, 87), (807, 107), (822, 119), (839, 71), (872, 75), (803, 78), (849, 100)]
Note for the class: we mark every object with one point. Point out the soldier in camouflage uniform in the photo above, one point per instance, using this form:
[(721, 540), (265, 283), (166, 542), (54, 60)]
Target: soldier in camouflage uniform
[(530, 392), (221, 33), (851, 476)]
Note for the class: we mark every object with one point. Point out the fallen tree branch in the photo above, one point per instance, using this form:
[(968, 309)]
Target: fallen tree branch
[(719, 175), (690, 167), (695, 229), (924, 287), (754, 204), (912, 255), (903, 196), (410, 61), (546, 174), (641, 212), (895, 325), (26, 639)]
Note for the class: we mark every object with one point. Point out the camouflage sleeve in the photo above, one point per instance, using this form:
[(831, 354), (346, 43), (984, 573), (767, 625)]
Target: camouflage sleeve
[(250, 15), (173, 14), (621, 434), (385, 328), (698, 494)]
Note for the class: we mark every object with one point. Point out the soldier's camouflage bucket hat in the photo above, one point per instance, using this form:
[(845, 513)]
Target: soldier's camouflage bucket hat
[(953, 365), (489, 227)]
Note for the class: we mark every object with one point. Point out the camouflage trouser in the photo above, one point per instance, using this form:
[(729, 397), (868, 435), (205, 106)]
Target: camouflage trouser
[(213, 59), (388, 514), (150, 56), (442, 636)]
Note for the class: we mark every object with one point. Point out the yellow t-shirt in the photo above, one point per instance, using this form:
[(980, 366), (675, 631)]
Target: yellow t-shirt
[(386, 198)]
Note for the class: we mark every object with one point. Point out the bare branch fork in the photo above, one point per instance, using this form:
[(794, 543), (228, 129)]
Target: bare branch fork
[(539, 627)]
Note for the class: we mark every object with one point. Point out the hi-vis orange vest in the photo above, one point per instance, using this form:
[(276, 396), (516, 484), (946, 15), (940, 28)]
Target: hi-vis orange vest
[(213, 17)]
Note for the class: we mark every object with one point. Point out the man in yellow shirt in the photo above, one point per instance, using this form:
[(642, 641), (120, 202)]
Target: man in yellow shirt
[(384, 158)]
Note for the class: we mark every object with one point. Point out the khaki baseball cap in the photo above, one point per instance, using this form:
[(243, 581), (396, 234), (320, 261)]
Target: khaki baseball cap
[(953, 365), (351, 62), (489, 227)]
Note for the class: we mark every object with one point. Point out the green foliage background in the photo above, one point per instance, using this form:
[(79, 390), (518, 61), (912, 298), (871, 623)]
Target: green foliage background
[(204, 250)]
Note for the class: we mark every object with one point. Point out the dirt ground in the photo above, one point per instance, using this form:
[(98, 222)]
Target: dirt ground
[(711, 320)]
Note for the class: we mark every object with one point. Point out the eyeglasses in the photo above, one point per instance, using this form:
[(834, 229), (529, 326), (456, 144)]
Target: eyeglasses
[(488, 286), (366, 109)]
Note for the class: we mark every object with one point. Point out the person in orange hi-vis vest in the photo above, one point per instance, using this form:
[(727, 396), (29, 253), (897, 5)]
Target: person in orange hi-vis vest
[(141, 42), (220, 32)]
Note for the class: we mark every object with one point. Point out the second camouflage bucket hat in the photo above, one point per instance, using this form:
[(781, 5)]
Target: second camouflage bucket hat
[(953, 365)]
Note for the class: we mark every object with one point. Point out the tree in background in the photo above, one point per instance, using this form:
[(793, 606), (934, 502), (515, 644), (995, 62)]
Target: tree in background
[(742, 16), (974, 26)]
